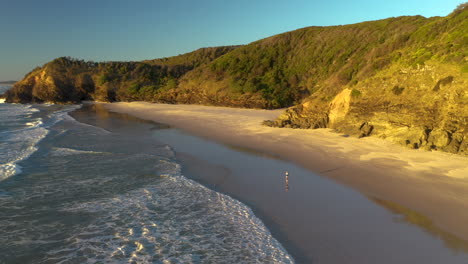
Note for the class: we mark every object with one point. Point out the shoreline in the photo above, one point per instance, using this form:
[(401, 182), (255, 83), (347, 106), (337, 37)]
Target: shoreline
[(430, 183)]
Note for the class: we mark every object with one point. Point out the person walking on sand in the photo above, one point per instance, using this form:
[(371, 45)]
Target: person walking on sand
[(286, 180)]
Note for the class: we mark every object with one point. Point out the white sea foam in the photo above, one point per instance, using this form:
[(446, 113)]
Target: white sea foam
[(35, 123), (95, 128), (20, 141), (12, 112), (2, 100), (9, 169), (175, 221), (154, 219), (20, 145), (63, 114), (18, 138), (70, 151), (31, 108)]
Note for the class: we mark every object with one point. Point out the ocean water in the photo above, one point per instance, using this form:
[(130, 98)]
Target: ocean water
[(78, 193)]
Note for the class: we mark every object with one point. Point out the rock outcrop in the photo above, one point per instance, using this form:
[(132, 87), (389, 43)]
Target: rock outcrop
[(400, 105), (68, 80), (404, 79)]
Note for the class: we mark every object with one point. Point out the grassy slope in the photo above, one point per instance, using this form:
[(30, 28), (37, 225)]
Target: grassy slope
[(70, 80), (419, 97), (397, 72), (193, 59), (284, 69)]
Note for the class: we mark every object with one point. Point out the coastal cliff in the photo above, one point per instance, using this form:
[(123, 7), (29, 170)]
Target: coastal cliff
[(425, 107), (68, 80), (404, 79), (419, 99)]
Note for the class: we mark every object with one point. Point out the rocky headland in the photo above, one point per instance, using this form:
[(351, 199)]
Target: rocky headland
[(404, 79)]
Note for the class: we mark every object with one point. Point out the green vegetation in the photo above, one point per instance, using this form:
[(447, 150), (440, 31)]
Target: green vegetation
[(407, 76), (313, 65), (193, 59), (67, 79), (355, 93), (275, 72), (287, 68)]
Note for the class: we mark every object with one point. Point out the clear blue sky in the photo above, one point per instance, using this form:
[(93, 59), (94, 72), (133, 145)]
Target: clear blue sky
[(33, 32)]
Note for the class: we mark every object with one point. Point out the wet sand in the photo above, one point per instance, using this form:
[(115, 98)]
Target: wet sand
[(317, 219)]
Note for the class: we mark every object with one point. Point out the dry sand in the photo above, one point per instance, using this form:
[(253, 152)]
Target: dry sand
[(433, 184)]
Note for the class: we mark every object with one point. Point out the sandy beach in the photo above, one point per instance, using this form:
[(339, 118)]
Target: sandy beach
[(431, 185)]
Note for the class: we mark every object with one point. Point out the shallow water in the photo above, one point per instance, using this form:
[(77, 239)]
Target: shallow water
[(110, 188), (20, 130), (317, 220), (110, 192)]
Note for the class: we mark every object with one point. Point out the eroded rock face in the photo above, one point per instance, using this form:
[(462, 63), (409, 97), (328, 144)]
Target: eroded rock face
[(45, 87), (307, 115), (429, 110), (68, 80), (339, 107), (386, 78), (365, 129)]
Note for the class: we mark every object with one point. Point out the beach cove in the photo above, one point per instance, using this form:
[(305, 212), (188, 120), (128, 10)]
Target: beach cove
[(420, 191)]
